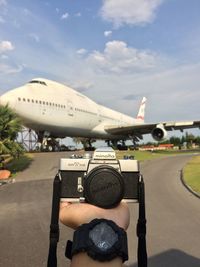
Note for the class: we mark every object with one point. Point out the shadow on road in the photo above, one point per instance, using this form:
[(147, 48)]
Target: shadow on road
[(172, 258)]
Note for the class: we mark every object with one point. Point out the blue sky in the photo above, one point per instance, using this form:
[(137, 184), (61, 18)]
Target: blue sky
[(115, 52)]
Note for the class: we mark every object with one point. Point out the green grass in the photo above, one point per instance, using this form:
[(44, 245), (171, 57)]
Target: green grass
[(148, 155), (138, 155), (191, 173), (19, 164)]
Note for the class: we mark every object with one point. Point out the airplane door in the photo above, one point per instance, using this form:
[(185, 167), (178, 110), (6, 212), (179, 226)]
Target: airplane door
[(70, 108)]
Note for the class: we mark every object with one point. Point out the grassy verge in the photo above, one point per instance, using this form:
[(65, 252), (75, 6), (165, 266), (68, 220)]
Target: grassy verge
[(191, 173), (147, 155), (19, 164), (138, 155)]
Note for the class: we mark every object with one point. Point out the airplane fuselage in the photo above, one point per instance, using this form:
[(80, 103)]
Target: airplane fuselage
[(49, 106)]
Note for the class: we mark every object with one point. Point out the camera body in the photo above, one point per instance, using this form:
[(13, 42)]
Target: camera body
[(101, 180)]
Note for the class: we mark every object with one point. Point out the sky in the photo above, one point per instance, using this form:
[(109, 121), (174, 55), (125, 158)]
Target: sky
[(115, 52)]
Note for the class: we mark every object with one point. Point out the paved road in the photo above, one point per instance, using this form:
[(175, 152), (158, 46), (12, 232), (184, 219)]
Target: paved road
[(173, 216)]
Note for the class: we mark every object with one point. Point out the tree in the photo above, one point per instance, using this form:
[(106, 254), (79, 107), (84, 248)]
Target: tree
[(189, 139), (10, 126), (197, 140), (176, 141)]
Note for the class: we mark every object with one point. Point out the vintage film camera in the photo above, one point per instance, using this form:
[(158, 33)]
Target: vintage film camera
[(102, 180)]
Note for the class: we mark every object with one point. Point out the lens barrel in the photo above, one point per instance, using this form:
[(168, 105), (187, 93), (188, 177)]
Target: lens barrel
[(104, 187)]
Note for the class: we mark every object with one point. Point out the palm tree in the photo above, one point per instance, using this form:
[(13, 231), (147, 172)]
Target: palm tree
[(10, 125)]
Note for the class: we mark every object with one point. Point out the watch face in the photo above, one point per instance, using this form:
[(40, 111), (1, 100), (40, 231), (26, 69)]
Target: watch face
[(103, 236)]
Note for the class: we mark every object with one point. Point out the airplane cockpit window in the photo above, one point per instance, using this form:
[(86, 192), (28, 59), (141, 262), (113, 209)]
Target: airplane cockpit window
[(36, 81)]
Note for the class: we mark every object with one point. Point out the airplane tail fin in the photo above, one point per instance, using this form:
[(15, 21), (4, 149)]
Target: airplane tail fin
[(141, 112)]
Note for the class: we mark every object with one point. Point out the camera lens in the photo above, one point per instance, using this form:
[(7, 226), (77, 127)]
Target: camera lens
[(104, 187)]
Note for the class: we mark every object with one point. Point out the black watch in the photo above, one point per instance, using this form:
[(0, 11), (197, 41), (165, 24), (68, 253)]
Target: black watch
[(102, 239)]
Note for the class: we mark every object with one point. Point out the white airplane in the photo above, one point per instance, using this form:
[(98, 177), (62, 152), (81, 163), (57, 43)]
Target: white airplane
[(55, 110)]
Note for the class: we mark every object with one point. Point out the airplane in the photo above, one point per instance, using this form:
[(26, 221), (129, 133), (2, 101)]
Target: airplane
[(54, 110)]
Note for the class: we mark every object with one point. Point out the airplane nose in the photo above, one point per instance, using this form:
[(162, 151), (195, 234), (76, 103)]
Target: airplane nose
[(7, 99), (1, 102)]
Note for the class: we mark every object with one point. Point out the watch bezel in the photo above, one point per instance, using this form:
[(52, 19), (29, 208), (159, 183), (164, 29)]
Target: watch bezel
[(112, 251)]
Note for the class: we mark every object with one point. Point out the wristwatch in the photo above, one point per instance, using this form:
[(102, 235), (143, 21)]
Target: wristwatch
[(102, 239)]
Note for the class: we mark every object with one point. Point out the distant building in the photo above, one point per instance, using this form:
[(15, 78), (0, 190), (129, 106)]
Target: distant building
[(159, 147)]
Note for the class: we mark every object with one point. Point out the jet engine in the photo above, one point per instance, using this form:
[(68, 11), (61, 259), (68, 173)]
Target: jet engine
[(159, 133)]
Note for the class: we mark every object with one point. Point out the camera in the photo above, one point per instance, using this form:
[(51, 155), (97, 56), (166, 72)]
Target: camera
[(101, 180)]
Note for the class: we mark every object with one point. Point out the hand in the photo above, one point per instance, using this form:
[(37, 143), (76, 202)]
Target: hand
[(74, 215)]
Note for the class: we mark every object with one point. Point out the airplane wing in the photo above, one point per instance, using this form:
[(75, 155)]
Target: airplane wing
[(151, 128)]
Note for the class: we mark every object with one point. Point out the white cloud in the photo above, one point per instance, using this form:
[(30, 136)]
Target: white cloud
[(132, 12), (81, 51), (107, 33), (8, 69), (65, 16), (117, 57), (6, 46)]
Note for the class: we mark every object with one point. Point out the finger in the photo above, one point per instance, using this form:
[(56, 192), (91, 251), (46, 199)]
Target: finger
[(64, 204)]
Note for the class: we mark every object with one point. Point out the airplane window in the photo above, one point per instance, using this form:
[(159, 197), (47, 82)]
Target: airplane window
[(32, 101), (47, 103), (43, 83), (28, 100), (34, 82), (19, 99), (24, 99), (43, 103), (40, 102), (36, 101)]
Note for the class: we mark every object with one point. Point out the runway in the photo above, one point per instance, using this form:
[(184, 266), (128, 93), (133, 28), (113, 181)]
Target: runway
[(173, 216)]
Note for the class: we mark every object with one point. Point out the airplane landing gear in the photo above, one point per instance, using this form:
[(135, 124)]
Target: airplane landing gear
[(50, 145), (87, 144), (116, 144), (122, 146), (47, 143)]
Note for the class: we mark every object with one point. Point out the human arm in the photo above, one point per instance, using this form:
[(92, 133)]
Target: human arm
[(74, 215)]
